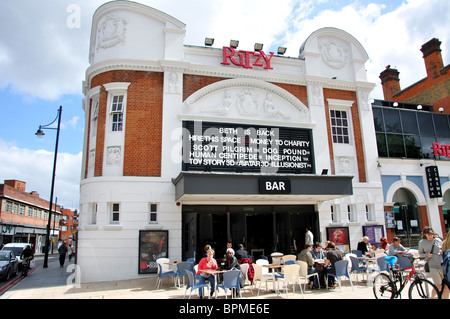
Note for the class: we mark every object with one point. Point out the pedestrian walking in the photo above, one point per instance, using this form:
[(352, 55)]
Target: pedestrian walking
[(62, 253)]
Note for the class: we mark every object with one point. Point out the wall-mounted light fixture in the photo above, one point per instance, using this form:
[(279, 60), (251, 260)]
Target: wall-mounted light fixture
[(395, 104), (281, 50), (234, 43), (441, 109), (209, 42), (419, 107), (379, 165), (258, 46)]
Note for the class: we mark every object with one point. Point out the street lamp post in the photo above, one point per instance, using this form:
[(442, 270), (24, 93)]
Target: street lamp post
[(40, 133)]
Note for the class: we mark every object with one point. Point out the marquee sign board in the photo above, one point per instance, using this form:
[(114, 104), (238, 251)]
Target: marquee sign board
[(209, 146)]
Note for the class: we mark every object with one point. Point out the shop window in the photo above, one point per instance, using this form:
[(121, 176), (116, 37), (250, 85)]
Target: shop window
[(153, 214)]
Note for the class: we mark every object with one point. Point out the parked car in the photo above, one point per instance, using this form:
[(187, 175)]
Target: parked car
[(17, 249), (9, 264)]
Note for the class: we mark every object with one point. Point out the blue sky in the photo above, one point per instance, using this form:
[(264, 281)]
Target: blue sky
[(44, 49)]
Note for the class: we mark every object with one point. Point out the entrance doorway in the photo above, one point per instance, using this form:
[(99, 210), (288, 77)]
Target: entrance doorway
[(262, 229), (406, 216)]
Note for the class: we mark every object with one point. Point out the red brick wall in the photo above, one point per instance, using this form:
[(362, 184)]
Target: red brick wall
[(350, 96), (143, 127)]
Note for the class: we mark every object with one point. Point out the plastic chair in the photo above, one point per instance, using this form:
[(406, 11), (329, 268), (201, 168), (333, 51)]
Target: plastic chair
[(356, 268), (291, 274), (358, 253), (341, 270), (164, 271), (193, 285), (382, 264), (289, 262), (304, 273), (182, 268), (191, 260), (261, 277), (230, 281), (276, 257), (288, 257), (244, 270)]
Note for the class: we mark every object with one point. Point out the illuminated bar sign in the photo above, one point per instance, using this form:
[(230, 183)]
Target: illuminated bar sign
[(239, 148), (246, 59)]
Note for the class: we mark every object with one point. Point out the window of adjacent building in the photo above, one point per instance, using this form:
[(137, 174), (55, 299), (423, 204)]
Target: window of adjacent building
[(351, 213), (339, 126), (408, 133), (153, 214), (15, 208), (8, 207), (22, 210), (115, 213), (370, 215), (30, 211)]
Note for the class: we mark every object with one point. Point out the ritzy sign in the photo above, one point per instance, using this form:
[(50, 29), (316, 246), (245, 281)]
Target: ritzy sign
[(442, 150), (246, 59)]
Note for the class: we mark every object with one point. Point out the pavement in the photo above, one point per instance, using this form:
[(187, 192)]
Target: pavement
[(57, 282)]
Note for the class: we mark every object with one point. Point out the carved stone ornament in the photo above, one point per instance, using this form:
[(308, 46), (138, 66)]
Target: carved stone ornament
[(248, 102), (334, 54), (223, 108), (111, 32), (113, 156)]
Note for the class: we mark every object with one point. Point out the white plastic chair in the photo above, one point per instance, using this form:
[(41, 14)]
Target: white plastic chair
[(164, 271), (262, 277), (304, 273), (291, 275), (288, 257), (244, 269)]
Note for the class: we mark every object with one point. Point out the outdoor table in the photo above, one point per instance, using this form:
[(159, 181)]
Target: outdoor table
[(214, 272)]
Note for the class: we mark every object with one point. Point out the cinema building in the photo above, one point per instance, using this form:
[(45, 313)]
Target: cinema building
[(187, 145)]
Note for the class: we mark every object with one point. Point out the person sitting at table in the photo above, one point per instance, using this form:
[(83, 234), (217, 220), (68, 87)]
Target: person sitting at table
[(317, 251), (364, 245), (396, 248), (241, 253), (207, 262), (384, 244), (231, 263), (333, 255), (306, 256)]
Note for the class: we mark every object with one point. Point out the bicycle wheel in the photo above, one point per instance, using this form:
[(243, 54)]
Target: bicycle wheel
[(383, 287), (423, 289)]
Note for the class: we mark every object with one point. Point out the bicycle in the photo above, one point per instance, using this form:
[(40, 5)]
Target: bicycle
[(26, 266), (390, 285)]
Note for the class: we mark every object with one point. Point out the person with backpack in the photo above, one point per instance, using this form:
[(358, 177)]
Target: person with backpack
[(430, 248)]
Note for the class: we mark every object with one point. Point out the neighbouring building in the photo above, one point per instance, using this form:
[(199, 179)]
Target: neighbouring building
[(192, 145), (413, 138), (68, 226), (24, 216)]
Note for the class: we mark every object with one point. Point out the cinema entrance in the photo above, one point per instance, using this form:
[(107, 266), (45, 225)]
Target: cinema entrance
[(262, 229)]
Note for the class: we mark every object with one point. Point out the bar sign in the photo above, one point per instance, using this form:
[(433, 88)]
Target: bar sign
[(434, 184)]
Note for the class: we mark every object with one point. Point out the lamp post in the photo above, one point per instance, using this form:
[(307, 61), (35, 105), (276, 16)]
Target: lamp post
[(40, 133)]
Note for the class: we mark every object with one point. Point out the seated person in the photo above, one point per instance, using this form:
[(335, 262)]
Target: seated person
[(333, 255), (363, 245), (207, 262), (306, 256), (231, 263), (396, 248), (317, 251), (241, 253)]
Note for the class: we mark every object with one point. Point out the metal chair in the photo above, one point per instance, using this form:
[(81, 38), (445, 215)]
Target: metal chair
[(230, 281), (193, 285), (341, 270)]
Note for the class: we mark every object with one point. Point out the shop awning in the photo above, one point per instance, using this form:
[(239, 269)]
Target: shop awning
[(210, 187)]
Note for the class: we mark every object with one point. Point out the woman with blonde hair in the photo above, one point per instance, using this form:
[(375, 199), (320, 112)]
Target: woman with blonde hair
[(207, 262)]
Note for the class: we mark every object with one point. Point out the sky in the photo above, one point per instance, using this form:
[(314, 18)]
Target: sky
[(44, 49)]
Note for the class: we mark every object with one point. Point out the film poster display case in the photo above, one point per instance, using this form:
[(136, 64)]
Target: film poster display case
[(153, 244)]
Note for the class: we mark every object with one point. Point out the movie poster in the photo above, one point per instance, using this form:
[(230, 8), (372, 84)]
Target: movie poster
[(153, 244), (340, 237)]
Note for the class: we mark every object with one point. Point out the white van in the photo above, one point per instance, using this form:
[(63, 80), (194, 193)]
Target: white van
[(17, 248)]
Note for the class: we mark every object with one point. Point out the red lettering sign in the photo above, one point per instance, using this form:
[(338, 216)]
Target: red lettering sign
[(229, 54), (442, 150)]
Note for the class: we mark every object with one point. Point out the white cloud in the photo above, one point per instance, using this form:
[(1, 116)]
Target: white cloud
[(36, 167)]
